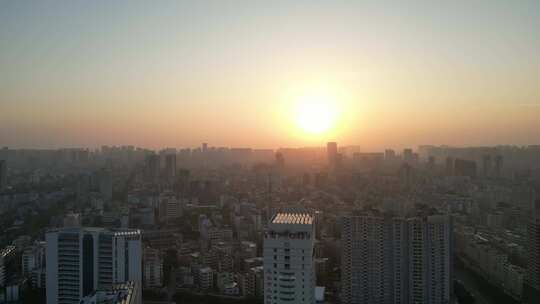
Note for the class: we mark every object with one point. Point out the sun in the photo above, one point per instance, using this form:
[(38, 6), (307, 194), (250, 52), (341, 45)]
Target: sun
[(316, 113)]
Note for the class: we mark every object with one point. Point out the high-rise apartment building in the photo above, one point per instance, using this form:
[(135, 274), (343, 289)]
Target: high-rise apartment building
[(430, 254), (389, 259), (169, 207), (153, 268), (3, 174), (152, 167), (6, 257), (374, 260), (449, 166), (106, 185), (389, 155), (431, 163), (408, 156), (82, 260), (499, 160), (332, 154), (33, 257), (204, 277), (280, 160), (170, 166), (289, 271), (33, 264), (464, 167), (487, 165), (532, 283)]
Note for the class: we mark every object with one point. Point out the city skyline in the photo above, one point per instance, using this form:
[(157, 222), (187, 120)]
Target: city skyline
[(240, 74), (270, 152), (327, 225)]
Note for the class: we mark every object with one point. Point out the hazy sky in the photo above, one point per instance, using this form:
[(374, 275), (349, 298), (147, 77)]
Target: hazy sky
[(177, 73)]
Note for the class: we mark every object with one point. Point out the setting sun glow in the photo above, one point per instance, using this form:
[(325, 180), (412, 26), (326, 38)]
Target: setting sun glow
[(316, 114)]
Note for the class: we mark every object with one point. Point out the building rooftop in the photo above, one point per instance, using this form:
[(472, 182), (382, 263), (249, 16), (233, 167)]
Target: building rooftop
[(4, 252), (124, 293), (115, 231), (292, 218)]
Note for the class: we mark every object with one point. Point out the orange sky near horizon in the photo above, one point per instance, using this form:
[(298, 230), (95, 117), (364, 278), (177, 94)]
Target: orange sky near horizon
[(83, 74)]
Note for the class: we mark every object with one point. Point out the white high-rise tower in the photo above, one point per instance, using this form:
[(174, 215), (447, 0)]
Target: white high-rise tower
[(289, 271)]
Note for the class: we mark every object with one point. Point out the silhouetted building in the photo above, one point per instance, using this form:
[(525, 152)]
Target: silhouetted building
[(106, 185), (465, 168), (332, 154), (449, 166), (170, 166), (321, 179), (3, 174), (405, 174), (532, 282), (280, 160), (499, 160), (84, 186), (368, 160), (389, 155), (153, 268), (152, 167), (408, 156), (339, 161), (431, 163), (306, 179), (487, 165), (169, 207)]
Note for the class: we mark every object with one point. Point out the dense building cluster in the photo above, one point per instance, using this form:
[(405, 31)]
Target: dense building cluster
[(307, 225)]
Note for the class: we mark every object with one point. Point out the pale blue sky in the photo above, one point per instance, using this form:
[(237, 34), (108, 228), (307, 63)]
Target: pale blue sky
[(175, 73)]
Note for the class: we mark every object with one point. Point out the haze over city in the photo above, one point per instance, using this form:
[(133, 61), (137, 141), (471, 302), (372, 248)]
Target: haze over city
[(270, 152), (269, 74)]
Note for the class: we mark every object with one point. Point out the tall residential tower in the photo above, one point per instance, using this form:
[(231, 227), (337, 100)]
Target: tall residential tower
[(388, 259), (288, 259), (3, 174), (532, 284), (82, 260)]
